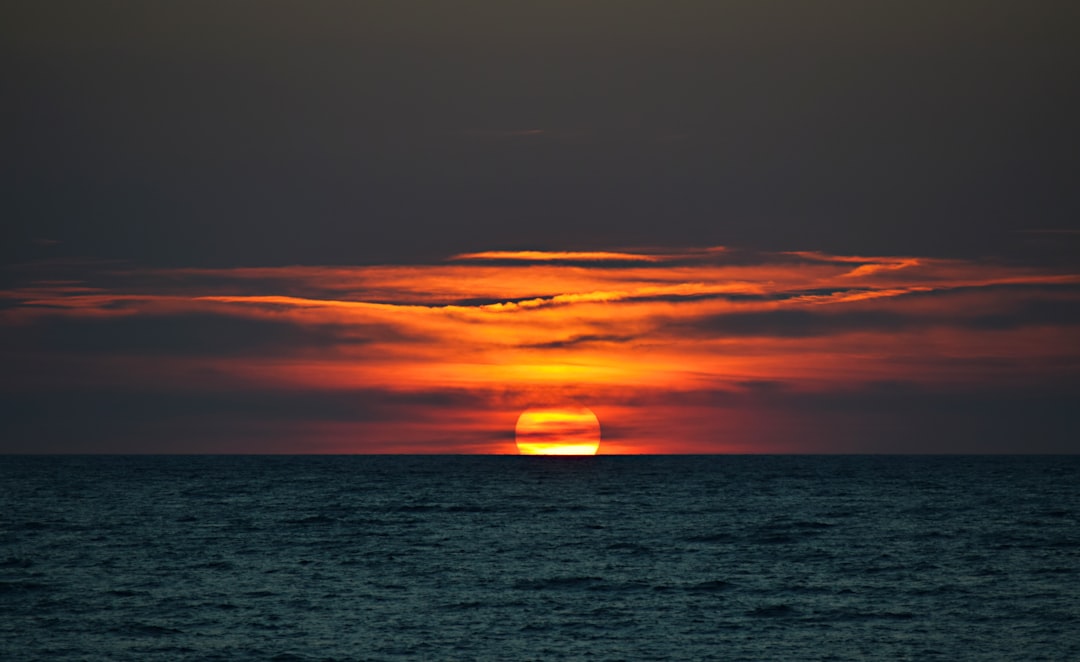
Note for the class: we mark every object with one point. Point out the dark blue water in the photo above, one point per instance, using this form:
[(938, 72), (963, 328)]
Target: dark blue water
[(604, 558)]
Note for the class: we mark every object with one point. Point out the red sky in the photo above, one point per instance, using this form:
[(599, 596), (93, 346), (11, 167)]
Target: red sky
[(677, 351)]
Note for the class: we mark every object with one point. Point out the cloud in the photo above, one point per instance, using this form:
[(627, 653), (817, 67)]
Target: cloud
[(645, 336), (798, 323), (805, 322), (594, 258), (554, 256), (1039, 312), (118, 419), (585, 339), (179, 335)]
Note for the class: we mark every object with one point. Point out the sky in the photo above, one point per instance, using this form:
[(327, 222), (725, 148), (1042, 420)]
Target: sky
[(391, 227)]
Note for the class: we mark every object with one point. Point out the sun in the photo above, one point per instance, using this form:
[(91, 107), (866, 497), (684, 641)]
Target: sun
[(568, 430)]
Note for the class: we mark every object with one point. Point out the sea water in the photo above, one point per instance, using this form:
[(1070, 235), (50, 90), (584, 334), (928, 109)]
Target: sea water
[(540, 558)]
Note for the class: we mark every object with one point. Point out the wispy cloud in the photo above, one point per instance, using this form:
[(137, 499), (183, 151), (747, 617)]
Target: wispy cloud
[(630, 331), (555, 256)]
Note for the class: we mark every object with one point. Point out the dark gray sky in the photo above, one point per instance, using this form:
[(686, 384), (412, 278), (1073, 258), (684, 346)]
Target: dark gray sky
[(265, 133), (899, 182)]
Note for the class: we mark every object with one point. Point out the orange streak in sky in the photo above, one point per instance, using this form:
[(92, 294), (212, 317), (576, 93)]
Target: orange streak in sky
[(545, 256), (638, 339)]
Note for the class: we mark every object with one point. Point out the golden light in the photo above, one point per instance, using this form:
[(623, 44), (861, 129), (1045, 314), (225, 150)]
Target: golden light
[(569, 430)]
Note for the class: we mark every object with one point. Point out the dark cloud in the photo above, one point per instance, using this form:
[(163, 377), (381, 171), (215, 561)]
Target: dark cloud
[(584, 339), (163, 420), (182, 335), (762, 385), (920, 420), (1060, 312), (894, 417), (799, 323), (487, 301), (817, 321)]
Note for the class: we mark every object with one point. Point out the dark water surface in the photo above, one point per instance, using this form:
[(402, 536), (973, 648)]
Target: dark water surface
[(514, 558)]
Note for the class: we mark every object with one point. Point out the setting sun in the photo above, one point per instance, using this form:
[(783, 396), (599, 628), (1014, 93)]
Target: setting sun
[(568, 430)]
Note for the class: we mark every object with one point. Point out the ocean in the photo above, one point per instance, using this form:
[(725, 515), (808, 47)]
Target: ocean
[(539, 558)]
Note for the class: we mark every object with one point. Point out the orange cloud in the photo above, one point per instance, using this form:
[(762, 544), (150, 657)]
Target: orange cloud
[(637, 336), (556, 256)]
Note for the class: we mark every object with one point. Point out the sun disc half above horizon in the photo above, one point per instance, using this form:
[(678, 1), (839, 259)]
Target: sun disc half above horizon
[(567, 430)]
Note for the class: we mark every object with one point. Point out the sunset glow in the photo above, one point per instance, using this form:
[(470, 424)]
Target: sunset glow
[(678, 351), (566, 430)]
